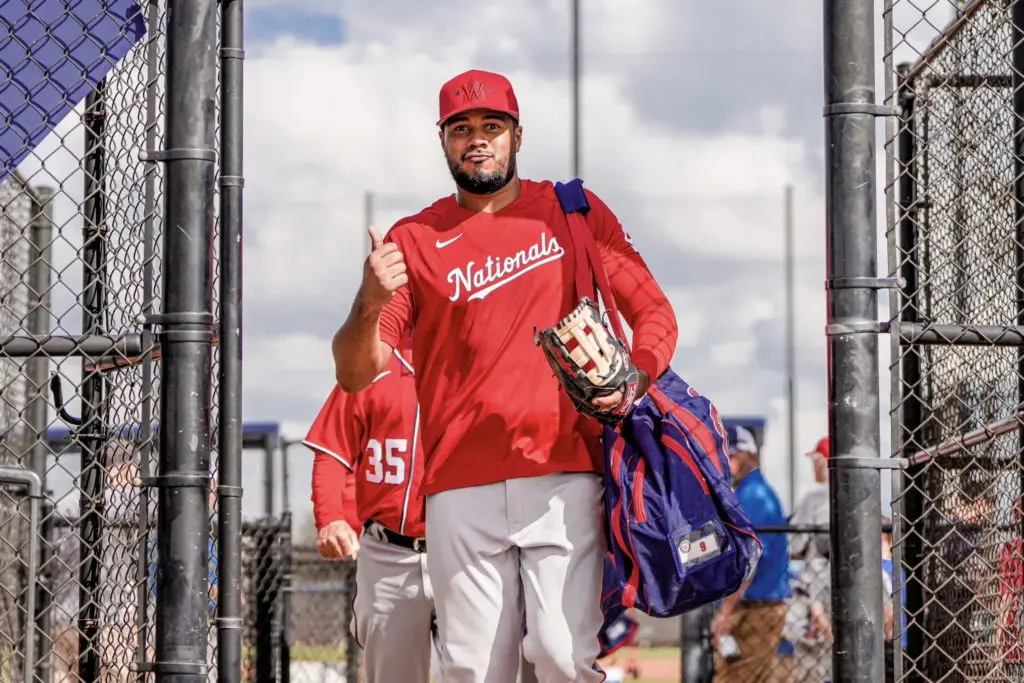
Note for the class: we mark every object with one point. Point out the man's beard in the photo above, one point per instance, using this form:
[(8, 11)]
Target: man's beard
[(483, 183)]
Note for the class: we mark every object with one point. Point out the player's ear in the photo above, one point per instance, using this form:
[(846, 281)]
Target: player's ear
[(518, 133)]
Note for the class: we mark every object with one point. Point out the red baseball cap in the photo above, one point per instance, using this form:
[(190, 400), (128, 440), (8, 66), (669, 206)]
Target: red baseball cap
[(477, 89), (821, 448)]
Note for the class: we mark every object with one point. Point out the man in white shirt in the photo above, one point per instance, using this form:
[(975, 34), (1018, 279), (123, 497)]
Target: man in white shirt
[(810, 610), (813, 509)]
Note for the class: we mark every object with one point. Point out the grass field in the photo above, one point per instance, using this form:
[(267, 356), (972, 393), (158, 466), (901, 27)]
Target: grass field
[(317, 653), (653, 664)]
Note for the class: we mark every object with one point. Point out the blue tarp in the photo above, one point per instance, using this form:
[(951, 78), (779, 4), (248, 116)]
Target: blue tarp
[(53, 53)]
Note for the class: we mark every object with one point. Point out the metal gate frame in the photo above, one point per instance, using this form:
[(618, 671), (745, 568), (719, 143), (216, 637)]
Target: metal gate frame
[(853, 282), (917, 438), (33, 484)]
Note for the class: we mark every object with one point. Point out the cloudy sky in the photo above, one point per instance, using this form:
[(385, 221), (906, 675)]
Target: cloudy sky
[(695, 118)]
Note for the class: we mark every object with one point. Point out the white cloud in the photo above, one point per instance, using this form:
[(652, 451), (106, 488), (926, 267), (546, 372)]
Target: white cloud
[(290, 365), (734, 354), (366, 123)]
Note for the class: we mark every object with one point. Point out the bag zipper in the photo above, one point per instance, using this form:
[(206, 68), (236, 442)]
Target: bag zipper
[(616, 467), (639, 506), (685, 456), (631, 590), (690, 422)]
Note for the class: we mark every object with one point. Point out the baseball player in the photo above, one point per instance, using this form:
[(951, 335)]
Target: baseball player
[(512, 472), (341, 480), (368, 444)]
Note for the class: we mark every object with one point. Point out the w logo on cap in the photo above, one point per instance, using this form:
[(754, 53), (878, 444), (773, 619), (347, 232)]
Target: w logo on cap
[(474, 91)]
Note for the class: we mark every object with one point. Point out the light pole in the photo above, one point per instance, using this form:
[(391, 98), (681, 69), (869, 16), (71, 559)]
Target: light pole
[(576, 88), (790, 344)]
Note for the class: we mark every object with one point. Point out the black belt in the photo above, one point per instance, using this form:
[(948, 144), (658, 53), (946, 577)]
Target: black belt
[(414, 543)]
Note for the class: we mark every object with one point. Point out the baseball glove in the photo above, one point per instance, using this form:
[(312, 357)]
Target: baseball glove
[(589, 362)]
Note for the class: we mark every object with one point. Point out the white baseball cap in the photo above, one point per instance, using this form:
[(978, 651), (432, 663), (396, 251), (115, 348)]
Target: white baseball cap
[(741, 440)]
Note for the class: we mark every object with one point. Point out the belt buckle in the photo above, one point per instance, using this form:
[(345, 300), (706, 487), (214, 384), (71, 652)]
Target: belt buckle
[(419, 545)]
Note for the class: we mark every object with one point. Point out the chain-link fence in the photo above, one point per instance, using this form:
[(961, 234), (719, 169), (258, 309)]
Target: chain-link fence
[(323, 646), (108, 135), (266, 599), (297, 610), (956, 238), (20, 493)]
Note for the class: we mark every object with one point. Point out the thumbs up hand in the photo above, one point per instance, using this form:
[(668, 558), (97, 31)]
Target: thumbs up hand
[(384, 272), (376, 239)]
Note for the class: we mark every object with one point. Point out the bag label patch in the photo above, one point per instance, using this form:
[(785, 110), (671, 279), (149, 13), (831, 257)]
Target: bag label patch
[(698, 546)]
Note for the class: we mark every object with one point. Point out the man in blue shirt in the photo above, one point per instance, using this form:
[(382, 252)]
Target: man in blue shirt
[(889, 608), (211, 575), (753, 616), (211, 549)]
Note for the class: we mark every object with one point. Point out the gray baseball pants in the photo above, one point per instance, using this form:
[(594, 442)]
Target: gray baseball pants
[(539, 537), (393, 611)]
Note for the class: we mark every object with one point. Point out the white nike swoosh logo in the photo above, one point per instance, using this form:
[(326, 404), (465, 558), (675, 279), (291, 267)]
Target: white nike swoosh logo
[(440, 245)]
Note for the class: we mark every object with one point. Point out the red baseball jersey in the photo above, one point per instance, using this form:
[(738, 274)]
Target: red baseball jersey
[(479, 285), (1011, 590), (375, 435), (334, 492)]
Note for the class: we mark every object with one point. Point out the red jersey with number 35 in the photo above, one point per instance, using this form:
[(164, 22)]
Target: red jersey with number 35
[(334, 492), (374, 434), (480, 284)]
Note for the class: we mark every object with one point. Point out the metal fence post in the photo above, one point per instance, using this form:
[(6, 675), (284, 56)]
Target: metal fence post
[(286, 500), (46, 591), (1017, 78), (92, 431), (284, 643), (150, 248), (40, 277), (695, 651), (908, 499), (269, 446), (229, 603), (351, 653), (30, 480), (268, 585), (855, 491), (186, 336)]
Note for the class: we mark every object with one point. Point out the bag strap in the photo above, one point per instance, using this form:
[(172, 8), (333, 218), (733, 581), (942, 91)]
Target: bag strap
[(574, 204), (588, 267)]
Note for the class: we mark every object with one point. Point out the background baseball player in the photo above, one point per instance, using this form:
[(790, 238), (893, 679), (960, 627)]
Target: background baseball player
[(514, 500), (375, 435)]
